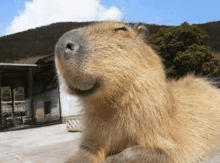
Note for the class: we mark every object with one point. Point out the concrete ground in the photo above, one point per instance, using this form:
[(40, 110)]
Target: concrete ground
[(49, 144)]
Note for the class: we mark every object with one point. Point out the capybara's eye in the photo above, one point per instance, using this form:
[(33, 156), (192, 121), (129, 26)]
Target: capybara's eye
[(121, 28)]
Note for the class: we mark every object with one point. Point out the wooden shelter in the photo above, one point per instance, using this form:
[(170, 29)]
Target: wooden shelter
[(41, 90)]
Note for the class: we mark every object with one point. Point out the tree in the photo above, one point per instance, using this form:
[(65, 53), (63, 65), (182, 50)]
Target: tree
[(184, 49)]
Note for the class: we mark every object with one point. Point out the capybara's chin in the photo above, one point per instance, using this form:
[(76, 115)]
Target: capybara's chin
[(82, 83), (84, 91)]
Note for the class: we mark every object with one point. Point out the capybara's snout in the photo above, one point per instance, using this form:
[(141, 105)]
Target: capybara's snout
[(71, 58), (70, 46)]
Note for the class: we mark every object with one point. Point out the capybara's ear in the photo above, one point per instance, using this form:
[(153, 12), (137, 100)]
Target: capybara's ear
[(142, 30)]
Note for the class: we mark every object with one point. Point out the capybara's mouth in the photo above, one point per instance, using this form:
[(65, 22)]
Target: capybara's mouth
[(80, 92)]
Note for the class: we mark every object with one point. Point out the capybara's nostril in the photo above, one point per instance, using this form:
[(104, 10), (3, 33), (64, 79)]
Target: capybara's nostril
[(71, 46), (72, 49)]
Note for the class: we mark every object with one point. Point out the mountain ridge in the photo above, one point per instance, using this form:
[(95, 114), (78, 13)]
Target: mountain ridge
[(29, 45)]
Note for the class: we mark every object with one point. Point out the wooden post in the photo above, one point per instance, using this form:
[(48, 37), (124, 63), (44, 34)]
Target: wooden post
[(2, 91), (60, 108), (31, 95), (1, 128), (12, 99)]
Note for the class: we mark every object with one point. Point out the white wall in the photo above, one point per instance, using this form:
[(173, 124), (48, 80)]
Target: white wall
[(39, 99), (70, 104)]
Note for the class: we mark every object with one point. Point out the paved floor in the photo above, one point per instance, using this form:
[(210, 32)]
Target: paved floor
[(49, 144)]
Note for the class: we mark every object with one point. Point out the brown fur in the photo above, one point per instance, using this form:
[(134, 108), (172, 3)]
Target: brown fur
[(134, 109)]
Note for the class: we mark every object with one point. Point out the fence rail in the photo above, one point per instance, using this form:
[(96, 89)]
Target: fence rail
[(74, 124), (7, 106)]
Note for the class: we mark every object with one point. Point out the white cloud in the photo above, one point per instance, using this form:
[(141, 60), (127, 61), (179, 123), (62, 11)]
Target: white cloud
[(44, 12)]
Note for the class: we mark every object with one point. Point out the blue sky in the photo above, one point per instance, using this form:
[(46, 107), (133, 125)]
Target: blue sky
[(20, 15)]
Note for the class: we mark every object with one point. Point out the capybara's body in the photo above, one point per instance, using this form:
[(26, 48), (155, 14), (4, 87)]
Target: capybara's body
[(129, 105)]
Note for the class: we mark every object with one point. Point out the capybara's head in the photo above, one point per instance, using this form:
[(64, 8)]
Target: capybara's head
[(107, 59)]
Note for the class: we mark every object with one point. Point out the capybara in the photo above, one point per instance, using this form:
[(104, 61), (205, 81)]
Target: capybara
[(132, 113)]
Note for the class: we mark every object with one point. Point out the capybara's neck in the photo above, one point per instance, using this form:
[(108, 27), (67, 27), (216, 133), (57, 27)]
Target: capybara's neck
[(156, 104)]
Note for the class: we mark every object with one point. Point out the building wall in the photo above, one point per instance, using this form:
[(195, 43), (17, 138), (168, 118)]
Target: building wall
[(39, 100), (70, 104)]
